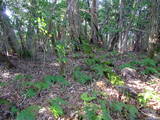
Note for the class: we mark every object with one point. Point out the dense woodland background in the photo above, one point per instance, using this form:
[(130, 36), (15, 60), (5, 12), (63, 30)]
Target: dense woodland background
[(79, 59)]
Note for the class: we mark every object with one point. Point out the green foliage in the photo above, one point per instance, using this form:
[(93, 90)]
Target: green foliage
[(81, 77), (146, 96), (25, 53), (115, 79), (61, 51), (91, 61), (56, 108), (101, 69), (21, 76), (148, 62), (56, 79), (90, 112), (150, 66), (30, 92), (30, 89), (101, 110), (4, 101), (105, 111), (28, 113), (150, 70), (117, 106), (132, 112), (41, 85), (14, 110), (86, 48), (76, 55), (27, 84), (129, 110), (132, 63), (2, 84), (87, 98), (126, 65), (107, 63), (113, 53)]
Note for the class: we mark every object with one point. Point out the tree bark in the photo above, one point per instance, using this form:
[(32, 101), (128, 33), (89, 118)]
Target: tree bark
[(74, 23), (95, 39), (8, 29), (154, 39), (120, 41)]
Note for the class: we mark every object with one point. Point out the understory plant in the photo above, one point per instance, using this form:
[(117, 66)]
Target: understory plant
[(81, 77), (30, 89), (28, 113), (61, 55), (56, 106), (99, 109), (146, 96), (149, 66)]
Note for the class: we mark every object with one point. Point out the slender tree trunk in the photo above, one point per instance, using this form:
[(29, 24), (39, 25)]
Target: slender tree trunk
[(114, 42), (74, 23), (94, 24), (154, 31), (120, 41)]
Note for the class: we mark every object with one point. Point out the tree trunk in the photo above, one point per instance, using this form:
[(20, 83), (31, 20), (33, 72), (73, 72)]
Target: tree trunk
[(120, 41), (154, 31), (114, 42), (74, 23), (8, 29), (95, 39)]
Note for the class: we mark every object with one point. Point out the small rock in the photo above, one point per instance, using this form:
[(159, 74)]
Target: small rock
[(129, 73)]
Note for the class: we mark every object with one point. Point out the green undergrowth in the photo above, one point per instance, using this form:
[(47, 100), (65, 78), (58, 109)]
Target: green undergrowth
[(115, 79), (145, 66), (31, 89), (99, 109), (28, 113), (146, 96), (4, 101), (112, 54), (2, 84), (86, 47), (101, 67), (87, 98), (56, 107), (81, 76), (9, 106), (106, 69)]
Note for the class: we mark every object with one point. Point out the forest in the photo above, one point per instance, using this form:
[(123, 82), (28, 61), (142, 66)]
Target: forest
[(79, 59)]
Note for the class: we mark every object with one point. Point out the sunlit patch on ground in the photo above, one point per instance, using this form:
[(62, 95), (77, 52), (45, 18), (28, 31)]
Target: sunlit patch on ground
[(111, 92), (55, 64), (6, 75)]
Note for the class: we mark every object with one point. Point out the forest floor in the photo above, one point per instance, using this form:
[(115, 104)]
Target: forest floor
[(131, 92)]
